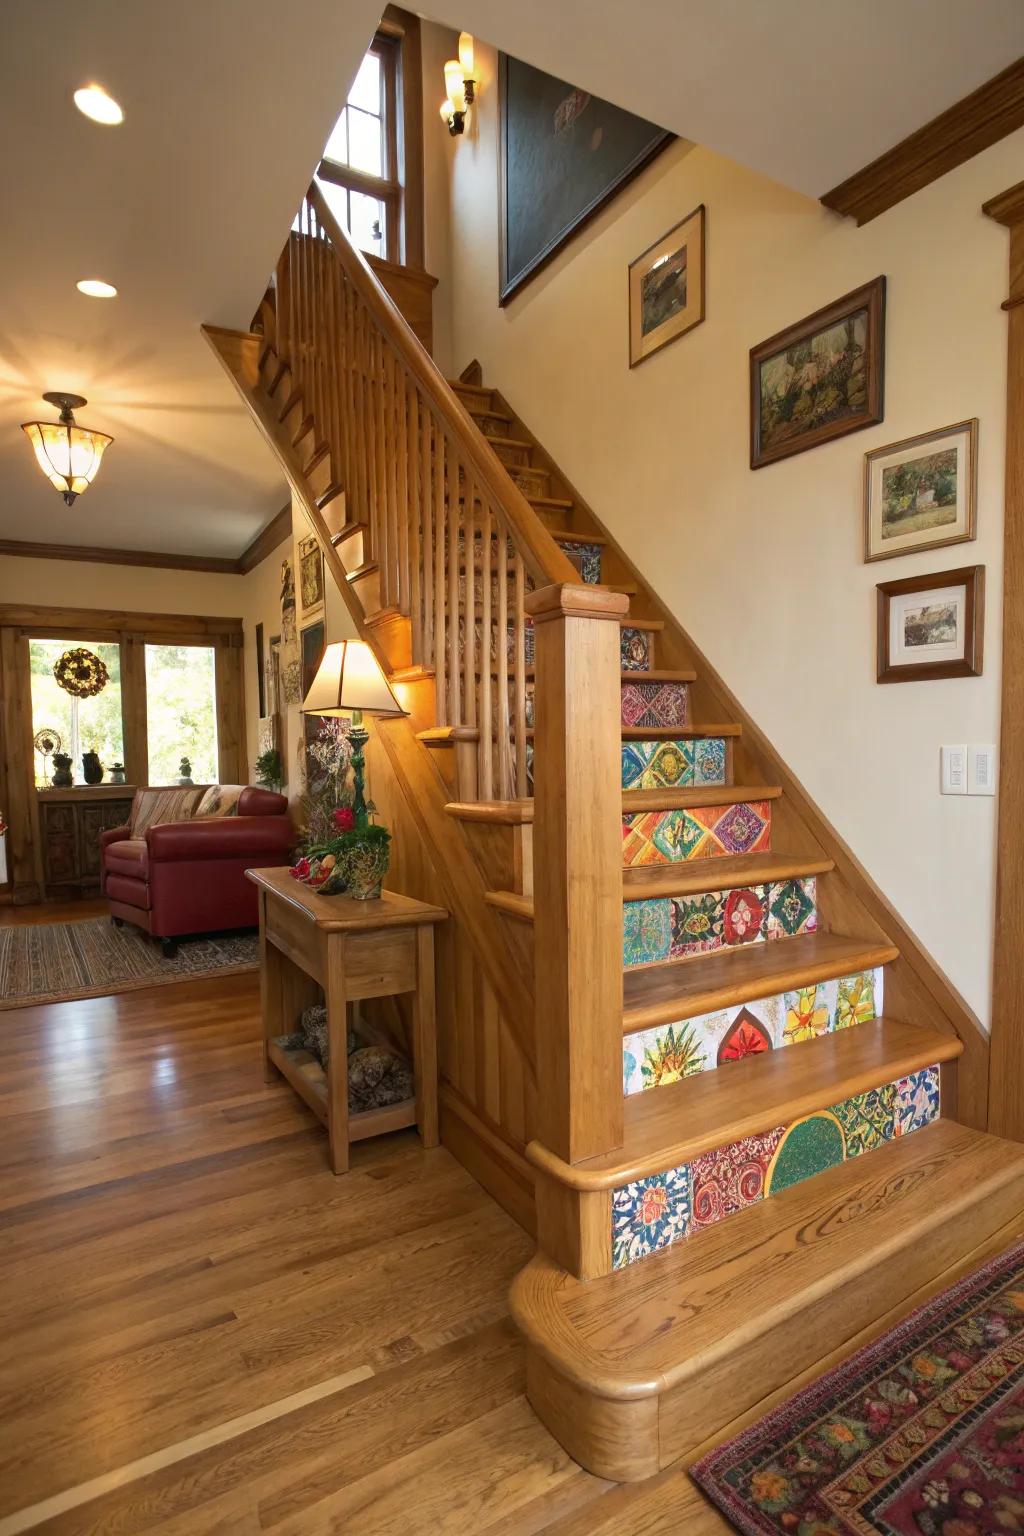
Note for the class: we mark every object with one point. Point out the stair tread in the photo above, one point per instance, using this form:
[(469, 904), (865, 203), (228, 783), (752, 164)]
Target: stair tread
[(665, 1127), (559, 503), (677, 732), (510, 442), (566, 534), (655, 1325), (637, 801), (684, 989), (645, 881), (470, 389), (661, 675)]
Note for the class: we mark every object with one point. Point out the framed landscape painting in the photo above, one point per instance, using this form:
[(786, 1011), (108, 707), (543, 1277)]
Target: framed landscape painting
[(563, 155), (921, 493), (311, 575), (931, 626), (819, 379), (666, 288)]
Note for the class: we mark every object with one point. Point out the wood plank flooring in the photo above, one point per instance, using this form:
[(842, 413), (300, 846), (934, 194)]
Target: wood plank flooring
[(204, 1333)]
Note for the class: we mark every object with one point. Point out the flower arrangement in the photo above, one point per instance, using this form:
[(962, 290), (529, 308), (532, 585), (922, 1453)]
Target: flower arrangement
[(354, 858)]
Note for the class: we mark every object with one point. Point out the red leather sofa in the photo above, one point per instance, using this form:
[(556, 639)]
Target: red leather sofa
[(188, 877)]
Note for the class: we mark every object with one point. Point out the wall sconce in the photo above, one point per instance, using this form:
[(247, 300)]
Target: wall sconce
[(67, 454), (460, 86)]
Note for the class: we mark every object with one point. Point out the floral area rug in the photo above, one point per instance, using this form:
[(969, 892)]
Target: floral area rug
[(919, 1434), (60, 962)]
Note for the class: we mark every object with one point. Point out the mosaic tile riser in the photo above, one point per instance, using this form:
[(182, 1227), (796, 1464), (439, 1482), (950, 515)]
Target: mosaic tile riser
[(677, 927), (652, 1213)]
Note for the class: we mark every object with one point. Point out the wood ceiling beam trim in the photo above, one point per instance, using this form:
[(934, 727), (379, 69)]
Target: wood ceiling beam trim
[(970, 125)]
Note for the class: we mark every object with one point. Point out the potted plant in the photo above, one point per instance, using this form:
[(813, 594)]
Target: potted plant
[(270, 770), (354, 859)]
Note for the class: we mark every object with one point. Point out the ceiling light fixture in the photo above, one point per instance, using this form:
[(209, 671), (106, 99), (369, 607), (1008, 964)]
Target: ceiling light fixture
[(68, 455), (96, 288), (94, 101), (460, 86)]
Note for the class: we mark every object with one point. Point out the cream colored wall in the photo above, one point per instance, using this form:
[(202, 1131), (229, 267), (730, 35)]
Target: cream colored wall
[(765, 568)]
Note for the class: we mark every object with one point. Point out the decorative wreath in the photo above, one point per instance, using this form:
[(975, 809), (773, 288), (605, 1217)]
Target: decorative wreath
[(81, 673)]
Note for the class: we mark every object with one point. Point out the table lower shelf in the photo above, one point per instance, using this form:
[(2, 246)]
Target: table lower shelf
[(305, 1074)]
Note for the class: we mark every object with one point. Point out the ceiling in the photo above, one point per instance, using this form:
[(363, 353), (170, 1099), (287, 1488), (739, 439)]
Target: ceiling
[(227, 103)]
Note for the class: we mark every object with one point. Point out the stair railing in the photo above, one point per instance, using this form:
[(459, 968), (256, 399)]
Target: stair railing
[(456, 544)]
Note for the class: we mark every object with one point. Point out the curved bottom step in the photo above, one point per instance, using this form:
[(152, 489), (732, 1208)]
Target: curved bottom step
[(634, 1370)]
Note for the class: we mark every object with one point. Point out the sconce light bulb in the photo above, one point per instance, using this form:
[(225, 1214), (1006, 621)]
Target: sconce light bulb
[(447, 112), (453, 85), (466, 55)]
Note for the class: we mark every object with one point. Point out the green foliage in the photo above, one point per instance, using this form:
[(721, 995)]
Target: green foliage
[(83, 724), (270, 769), (181, 712)]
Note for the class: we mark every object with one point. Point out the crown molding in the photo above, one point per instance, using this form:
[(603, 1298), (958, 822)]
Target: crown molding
[(262, 545)]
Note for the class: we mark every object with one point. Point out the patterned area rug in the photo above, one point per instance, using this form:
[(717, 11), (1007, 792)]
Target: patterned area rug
[(919, 1434), (59, 962)]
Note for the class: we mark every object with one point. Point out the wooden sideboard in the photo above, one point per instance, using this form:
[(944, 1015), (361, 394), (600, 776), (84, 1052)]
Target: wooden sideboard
[(70, 823)]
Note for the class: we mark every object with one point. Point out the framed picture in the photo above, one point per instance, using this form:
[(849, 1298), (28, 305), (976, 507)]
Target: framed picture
[(666, 288), (313, 641), (820, 378), (931, 626), (311, 575), (921, 493), (562, 155)]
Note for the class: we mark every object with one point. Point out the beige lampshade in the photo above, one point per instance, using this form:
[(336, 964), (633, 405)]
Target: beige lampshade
[(349, 678), (69, 456)]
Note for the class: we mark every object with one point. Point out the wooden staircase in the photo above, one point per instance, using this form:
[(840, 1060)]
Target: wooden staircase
[(664, 1043)]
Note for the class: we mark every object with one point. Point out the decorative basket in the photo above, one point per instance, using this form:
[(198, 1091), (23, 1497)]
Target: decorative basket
[(365, 868)]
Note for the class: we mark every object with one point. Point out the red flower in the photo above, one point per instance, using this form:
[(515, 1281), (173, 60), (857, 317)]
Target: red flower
[(344, 818), (300, 871)]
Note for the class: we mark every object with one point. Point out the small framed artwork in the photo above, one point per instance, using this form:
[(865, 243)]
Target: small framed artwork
[(311, 575), (921, 493), (819, 379), (931, 626), (666, 288), (313, 642)]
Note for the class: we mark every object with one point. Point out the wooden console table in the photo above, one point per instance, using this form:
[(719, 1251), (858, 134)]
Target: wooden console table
[(353, 950)]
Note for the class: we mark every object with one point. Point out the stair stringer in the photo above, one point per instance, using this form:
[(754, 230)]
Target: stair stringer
[(917, 989), (496, 1150)]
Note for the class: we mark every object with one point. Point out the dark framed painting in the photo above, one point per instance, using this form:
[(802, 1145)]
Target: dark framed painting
[(666, 288), (921, 493), (820, 378), (313, 642), (931, 626), (563, 154)]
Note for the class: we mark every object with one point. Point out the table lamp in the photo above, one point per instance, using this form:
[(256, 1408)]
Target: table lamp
[(349, 681)]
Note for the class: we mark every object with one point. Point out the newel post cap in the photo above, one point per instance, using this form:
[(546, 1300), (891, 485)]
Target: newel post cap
[(576, 600)]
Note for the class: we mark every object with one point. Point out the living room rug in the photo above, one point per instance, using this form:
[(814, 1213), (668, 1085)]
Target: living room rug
[(918, 1434), (60, 962)]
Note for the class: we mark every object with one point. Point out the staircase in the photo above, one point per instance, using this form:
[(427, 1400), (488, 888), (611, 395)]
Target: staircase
[(683, 1036)]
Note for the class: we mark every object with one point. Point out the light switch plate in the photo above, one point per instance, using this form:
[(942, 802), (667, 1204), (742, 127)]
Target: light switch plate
[(954, 770), (981, 770)]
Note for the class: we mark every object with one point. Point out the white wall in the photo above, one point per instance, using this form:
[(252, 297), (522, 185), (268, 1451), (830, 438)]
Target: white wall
[(765, 568)]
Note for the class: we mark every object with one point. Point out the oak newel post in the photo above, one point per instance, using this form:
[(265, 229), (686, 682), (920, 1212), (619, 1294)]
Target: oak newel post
[(578, 869)]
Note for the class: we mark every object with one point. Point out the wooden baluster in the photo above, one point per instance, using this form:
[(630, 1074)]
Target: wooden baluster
[(339, 374), (360, 511), (302, 377), (402, 487), (427, 470), (503, 726), (283, 297), (470, 626), (485, 778), (352, 497), (456, 620), (391, 379), (380, 453), (519, 663), (416, 500), (442, 525)]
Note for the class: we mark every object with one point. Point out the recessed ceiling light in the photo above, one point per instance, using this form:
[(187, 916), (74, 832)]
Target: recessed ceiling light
[(95, 103), (95, 288)]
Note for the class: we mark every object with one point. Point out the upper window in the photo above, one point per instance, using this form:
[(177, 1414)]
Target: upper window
[(359, 173), (83, 725)]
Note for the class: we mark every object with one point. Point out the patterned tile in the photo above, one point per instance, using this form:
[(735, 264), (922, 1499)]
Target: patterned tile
[(701, 832), (635, 649), (663, 1208), (709, 760), (855, 1001), (726, 1180), (792, 908), (649, 1214), (709, 1040), (916, 1101), (673, 764), (585, 557), (693, 925), (745, 915), (654, 704), (646, 932)]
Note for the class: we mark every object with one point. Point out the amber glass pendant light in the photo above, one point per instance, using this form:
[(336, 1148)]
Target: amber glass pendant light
[(68, 455)]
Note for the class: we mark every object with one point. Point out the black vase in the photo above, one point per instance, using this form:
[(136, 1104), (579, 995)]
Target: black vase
[(62, 771), (92, 768)]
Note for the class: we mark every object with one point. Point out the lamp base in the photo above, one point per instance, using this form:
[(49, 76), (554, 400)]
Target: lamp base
[(358, 737)]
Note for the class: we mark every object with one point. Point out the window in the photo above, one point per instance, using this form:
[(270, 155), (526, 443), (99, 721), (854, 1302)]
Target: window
[(83, 725), (359, 174), (181, 712)]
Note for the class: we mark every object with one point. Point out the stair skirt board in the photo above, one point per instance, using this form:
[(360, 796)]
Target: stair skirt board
[(667, 1052), (678, 927), (674, 764), (698, 832), (654, 1212)]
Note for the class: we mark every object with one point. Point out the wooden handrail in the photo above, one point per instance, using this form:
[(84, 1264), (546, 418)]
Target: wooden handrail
[(545, 561)]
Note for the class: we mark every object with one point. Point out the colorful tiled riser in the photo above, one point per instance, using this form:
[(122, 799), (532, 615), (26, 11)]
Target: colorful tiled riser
[(699, 832), (676, 927), (645, 705), (585, 557), (634, 647), (674, 764), (654, 1212), (653, 1058)]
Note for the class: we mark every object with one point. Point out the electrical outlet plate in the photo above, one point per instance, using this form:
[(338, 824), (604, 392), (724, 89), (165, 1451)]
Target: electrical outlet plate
[(981, 770), (954, 770)]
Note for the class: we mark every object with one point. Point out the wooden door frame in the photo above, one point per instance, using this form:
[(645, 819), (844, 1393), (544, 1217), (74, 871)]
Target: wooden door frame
[(1006, 1058)]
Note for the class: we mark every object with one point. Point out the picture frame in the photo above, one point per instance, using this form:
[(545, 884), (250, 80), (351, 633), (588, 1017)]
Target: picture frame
[(922, 492), (563, 154), (666, 288), (931, 626), (819, 379), (313, 642), (311, 575)]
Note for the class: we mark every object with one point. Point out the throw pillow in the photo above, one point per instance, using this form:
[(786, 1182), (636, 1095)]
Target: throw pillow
[(220, 800), (155, 807)]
